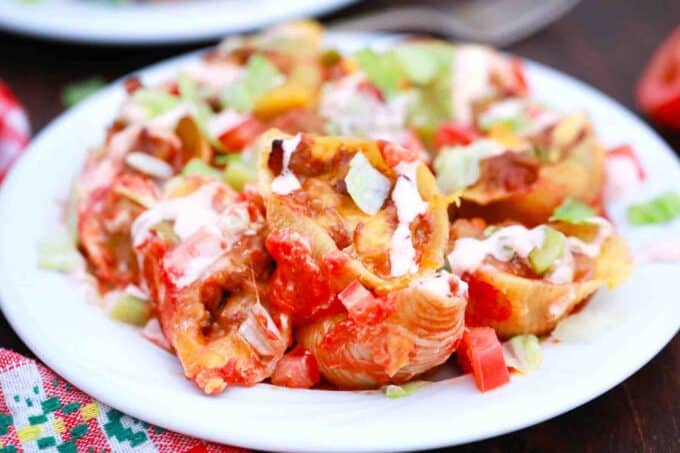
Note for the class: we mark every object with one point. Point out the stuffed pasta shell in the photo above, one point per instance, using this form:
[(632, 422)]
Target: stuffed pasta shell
[(202, 259), (524, 280), (358, 231)]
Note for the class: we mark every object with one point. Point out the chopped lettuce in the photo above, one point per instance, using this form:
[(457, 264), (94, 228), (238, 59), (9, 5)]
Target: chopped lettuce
[(381, 69), (58, 253), (422, 62), (239, 171), (197, 167), (155, 101), (523, 353), (573, 211), (661, 209), (400, 391), (542, 258), (131, 310), (458, 167), (75, 92), (259, 77), (366, 185)]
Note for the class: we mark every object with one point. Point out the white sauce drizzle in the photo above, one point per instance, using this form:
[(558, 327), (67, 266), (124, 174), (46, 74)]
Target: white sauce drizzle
[(469, 253), (149, 165), (189, 213), (353, 112), (440, 284), (409, 205), (215, 76), (287, 182)]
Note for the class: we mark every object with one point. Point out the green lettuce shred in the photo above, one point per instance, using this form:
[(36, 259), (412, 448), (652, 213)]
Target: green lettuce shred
[(573, 211), (661, 209), (75, 92), (155, 101), (259, 77), (400, 391), (239, 171), (58, 252), (197, 167), (131, 310)]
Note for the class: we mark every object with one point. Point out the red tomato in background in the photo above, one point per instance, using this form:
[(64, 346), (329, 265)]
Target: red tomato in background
[(481, 353), (451, 134), (237, 138), (658, 91)]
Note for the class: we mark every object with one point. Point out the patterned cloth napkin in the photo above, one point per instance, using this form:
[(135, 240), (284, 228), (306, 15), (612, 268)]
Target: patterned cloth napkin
[(40, 412), (14, 129)]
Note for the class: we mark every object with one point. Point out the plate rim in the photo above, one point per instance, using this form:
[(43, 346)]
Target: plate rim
[(12, 20), (156, 417)]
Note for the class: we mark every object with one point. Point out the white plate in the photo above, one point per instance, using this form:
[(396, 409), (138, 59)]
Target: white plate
[(155, 22), (111, 362)]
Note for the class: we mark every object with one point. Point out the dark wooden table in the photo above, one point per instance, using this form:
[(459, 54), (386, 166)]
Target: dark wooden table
[(603, 42)]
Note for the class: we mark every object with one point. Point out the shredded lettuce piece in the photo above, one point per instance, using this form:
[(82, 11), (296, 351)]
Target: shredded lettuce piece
[(239, 171), (155, 101), (131, 310), (197, 167), (381, 69), (75, 92), (422, 62), (554, 245), (584, 326), (573, 211), (400, 391), (458, 167), (523, 353), (259, 77), (661, 209), (58, 253), (366, 185)]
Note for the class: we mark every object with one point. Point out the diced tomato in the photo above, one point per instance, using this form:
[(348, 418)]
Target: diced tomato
[(171, 87), (393, 153), (450, 134), (239, 137), (297, 369), (627, 151), (517, 67), (481, 353), (362, 306), (486, 303), (298, 285), (658, 90), (367, 87)]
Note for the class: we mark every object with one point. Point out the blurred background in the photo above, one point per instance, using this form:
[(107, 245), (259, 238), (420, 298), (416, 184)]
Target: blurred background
[(604, 43)]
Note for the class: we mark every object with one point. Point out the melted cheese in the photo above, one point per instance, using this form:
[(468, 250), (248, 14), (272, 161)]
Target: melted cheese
[(409, 205), (287, 182)]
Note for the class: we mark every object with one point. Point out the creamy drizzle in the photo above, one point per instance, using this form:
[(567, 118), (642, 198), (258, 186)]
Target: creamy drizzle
[(440, 284), (353, 112), (409, 205), (471, 80), (287, 182), (215, 76), (189, 213), (621, 177), (469, 253)]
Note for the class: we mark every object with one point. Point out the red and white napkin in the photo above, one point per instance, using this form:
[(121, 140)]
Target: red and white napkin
[(15, 130)]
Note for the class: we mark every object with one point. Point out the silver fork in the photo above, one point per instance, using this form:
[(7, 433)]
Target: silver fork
[(496, 22)]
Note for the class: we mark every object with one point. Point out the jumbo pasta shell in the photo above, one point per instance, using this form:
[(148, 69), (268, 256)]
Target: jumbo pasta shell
[(422, 332)]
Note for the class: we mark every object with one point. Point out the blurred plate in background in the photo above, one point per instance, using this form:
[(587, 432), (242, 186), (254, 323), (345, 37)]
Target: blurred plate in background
[(150, 22)]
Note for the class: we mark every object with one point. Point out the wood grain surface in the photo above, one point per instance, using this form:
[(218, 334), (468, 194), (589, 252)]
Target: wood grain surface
[(602, 42)]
